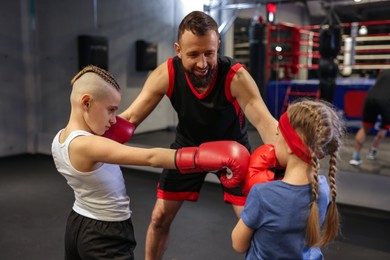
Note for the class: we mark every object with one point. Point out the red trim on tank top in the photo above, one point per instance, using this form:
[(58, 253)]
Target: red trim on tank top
[(171, 77), (232, 72), (209, 89)]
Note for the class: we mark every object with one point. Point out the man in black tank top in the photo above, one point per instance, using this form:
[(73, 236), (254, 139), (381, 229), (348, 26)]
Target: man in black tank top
[(377, 103), (213, 96)]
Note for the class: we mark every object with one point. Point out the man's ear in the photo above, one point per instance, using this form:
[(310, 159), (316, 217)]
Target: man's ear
[(177, 49)]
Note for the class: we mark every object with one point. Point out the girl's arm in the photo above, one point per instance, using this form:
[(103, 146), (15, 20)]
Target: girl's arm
[(241, 237)]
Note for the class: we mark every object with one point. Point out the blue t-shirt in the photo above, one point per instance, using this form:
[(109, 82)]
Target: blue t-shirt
[(278, 213)]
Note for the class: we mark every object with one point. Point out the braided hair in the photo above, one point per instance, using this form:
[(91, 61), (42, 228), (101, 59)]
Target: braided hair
[(322, 130), (103, 74)]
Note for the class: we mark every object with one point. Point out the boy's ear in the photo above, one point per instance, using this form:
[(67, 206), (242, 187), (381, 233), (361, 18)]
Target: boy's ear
[(85, 101)]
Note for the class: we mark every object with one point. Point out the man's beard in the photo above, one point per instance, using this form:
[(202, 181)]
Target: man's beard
[(201, 81)]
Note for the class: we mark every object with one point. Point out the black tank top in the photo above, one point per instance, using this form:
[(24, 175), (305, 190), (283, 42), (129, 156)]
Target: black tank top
[(213, 115), (381, 88)]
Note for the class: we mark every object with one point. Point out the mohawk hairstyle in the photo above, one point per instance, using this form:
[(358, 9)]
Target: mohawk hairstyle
[(105, 75)]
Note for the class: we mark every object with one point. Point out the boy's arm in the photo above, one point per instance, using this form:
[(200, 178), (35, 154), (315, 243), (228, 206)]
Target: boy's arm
[(87, 153)]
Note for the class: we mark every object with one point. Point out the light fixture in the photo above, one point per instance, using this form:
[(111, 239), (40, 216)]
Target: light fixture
[(271, 12), (363, 30)]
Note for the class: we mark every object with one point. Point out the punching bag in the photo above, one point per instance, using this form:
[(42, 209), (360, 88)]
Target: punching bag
[(327, 73), (327, 68), (330, 41), (329, 48), (327, 89), (257, 53)]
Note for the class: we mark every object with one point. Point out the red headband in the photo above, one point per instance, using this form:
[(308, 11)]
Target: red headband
[(297, 146)]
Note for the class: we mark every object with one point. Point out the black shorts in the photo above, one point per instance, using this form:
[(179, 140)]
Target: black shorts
[(87, 238), (373, 107), (176, 186)]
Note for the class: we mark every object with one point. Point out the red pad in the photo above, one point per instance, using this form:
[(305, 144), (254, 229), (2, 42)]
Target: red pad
[(353, 103)]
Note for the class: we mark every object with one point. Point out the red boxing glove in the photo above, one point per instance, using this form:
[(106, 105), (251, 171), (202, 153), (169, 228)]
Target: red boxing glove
[(121, 131), (262, 159), (214, 156)]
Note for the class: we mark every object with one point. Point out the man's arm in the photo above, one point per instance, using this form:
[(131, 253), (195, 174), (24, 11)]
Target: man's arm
[(154, 89), (245, 90)]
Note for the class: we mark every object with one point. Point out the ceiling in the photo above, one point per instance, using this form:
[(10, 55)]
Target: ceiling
[(346, 10)]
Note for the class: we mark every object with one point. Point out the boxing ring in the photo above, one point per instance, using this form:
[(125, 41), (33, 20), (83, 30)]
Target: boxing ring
[(349, 96), (294, 65)]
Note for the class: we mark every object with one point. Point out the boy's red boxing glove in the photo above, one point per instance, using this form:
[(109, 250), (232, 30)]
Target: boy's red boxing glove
[(121, 131), (261, 163), (214, 156)]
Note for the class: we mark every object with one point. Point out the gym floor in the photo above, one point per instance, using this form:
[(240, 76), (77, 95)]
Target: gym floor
[(35, 201)]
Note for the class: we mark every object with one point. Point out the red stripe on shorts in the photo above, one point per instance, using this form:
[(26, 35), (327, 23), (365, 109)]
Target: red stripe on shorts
[(234, 200), (181, 195)]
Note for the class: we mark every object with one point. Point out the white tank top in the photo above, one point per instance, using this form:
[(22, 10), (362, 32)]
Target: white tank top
[(99, 194)]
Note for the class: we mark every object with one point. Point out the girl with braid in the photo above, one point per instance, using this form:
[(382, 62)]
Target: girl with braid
[(293, 217)]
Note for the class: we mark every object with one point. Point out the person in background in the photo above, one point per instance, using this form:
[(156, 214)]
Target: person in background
[(377, 103), (293, 217), (213, 95), (99, 225)]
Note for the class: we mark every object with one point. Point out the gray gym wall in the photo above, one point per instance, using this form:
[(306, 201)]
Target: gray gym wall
[(38, 58)]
